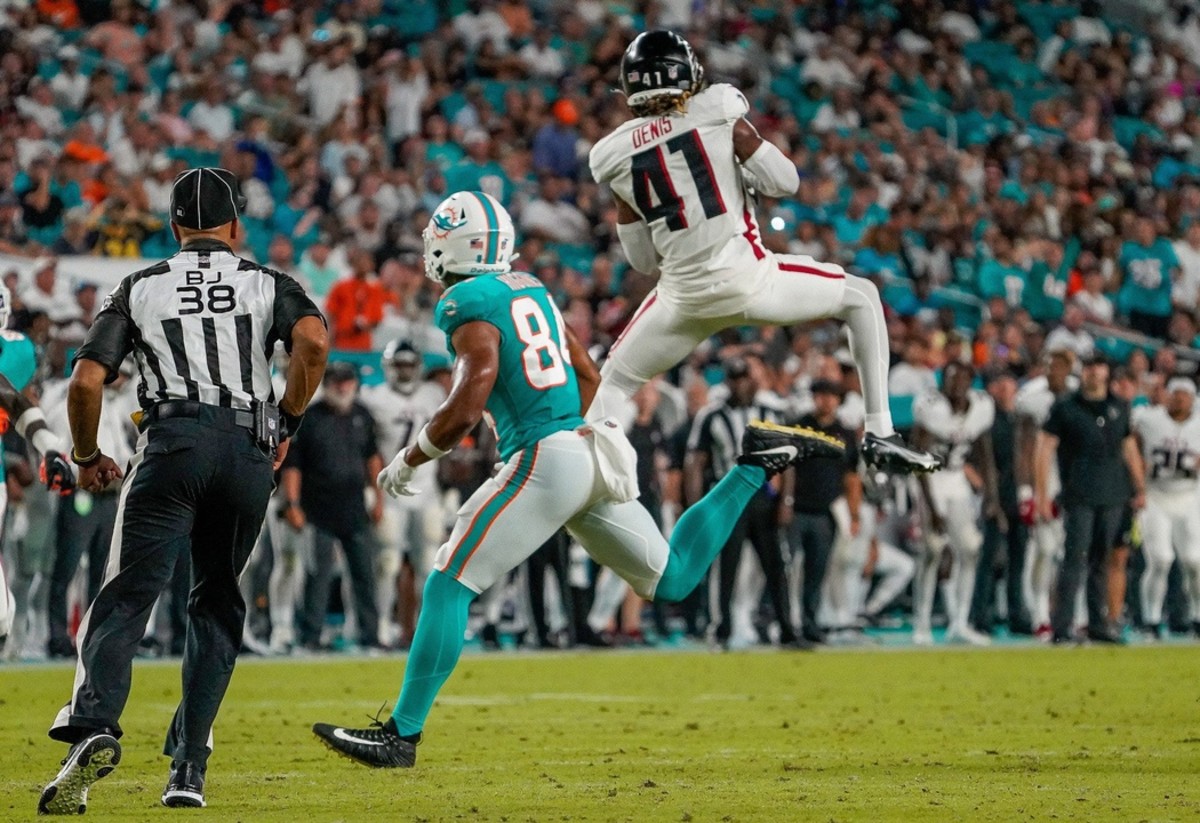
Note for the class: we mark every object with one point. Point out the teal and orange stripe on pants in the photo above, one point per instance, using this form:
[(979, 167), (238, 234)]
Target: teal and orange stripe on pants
[(489, 512)]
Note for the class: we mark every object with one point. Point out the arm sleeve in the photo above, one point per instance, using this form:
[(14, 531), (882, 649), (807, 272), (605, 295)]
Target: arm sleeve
[(1055, 423), (110, 339), (291, 303), (733, 103), (463, 305), (639, 246), (370, 442), (773, 173)]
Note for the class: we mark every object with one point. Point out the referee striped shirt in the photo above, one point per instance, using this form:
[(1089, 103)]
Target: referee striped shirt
[(201, 325), (718, 428)]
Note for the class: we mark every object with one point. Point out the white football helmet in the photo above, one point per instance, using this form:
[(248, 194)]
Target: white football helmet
[(5, 305), (469, 234), (402, 366)]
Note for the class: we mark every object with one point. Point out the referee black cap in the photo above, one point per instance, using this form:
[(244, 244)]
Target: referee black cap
[(205, 198)]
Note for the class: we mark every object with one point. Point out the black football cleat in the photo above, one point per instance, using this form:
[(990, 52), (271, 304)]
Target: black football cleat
[(379, 746), (88, 760), (185, 786), (892, 454), (773, 447)]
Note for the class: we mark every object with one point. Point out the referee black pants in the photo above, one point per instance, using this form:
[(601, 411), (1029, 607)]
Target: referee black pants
[(201, 485), (812, 535), (758, 525), (75, 535), (1091, 533)]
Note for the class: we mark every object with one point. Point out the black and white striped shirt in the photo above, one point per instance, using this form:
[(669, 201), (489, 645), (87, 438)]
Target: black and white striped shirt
[(718, 428), (201, 325)]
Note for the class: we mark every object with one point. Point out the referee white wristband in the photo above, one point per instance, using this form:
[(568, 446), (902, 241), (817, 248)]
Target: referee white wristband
[(427, 447)]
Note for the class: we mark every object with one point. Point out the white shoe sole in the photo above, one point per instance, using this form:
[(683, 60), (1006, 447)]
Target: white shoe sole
[(67, 792), (182, 799)]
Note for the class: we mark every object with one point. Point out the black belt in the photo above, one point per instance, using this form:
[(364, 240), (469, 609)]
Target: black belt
[(202, 412)]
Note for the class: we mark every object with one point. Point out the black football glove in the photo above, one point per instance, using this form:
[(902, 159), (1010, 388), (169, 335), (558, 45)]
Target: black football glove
[(57, 474)]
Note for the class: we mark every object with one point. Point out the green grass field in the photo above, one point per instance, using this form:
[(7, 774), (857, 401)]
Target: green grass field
[(1007, 734)]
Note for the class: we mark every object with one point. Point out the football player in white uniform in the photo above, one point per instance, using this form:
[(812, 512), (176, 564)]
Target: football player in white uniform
[(1170, 438), (680, 173), (411, 527), (952, 424), (1033, 403)]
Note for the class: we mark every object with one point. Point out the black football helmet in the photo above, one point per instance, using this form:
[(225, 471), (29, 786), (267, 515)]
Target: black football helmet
[(657, 68)]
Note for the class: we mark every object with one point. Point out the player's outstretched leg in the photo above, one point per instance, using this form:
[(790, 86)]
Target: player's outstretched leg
[(703, 530), (882, 447), (436, 647)]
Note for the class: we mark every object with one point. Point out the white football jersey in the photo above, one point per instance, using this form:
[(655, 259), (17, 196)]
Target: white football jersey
[(398, 418), (679, 172), (1171, 449), (954, 433), (1034, 399)]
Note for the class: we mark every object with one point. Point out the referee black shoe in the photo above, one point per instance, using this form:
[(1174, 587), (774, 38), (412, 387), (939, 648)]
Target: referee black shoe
[(185, 786), (892, 454), (773, 447), (379, 746), (88, 760)]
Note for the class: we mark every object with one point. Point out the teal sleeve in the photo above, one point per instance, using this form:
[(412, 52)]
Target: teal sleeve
[(1169, 256), (464, 303), (18, 359)]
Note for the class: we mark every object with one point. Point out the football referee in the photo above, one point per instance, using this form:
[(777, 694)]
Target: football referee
[(201, 326)]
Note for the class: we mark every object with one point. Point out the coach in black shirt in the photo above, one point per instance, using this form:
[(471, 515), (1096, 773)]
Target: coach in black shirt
[(823, 480), (1101, 469), (328, 467)]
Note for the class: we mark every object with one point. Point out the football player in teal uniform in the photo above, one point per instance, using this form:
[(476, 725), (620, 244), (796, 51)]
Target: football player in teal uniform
[(517, 363)]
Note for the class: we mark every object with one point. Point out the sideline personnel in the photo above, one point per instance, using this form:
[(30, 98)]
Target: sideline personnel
[(1098, 459), (202, 326)]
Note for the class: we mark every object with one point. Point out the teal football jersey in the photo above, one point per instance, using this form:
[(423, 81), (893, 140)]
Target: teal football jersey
[(18, 358), (536, 393)]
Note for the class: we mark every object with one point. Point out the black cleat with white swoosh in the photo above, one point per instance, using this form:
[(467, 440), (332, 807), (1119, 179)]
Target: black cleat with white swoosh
[(774, 447), (379, 746)]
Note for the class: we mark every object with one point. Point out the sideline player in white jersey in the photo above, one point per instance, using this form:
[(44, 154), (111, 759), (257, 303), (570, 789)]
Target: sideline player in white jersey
[(1170, 438), (18, 363), (953, 424), (1047, 536), (411, 526), (680, 171)]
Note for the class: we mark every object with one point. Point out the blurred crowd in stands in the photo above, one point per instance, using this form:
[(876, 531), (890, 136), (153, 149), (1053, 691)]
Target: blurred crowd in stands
[(1020, 178)]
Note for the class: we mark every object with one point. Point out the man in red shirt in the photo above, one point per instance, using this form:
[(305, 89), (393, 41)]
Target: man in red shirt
[(355, 304)]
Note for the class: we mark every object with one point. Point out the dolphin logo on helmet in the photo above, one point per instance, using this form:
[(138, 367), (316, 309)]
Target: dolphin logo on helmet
[(469, 234)]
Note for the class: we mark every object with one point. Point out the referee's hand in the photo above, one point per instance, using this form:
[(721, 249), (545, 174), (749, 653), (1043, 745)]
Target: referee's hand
[(99, 475)]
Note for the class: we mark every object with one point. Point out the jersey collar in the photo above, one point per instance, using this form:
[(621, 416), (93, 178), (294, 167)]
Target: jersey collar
[(204, 244)]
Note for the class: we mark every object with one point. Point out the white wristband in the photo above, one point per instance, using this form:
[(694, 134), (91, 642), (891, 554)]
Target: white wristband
[(45, 440), (42, 439), (427, 447)]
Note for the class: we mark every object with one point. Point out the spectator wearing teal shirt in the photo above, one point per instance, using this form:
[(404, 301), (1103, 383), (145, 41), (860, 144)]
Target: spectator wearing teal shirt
[(1148, 265), (1047, 282), (861, 214), (440, 150), (880, 254), (985, 122), (1001, 277), (478, 172)]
